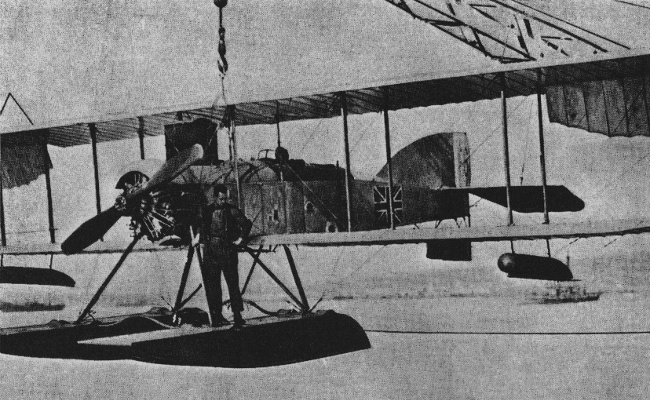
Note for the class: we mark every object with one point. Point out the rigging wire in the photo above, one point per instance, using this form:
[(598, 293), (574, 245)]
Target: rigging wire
[(629, 3), (476, 202), (523, 163), (330, 109), (311, 135), (610, 182), (330, 280), (495, 129), (361, 134), (607, 184), (316, 197), (355, 271)]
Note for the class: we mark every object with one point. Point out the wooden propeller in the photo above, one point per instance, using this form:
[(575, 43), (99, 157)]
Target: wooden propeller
[(93, 229)]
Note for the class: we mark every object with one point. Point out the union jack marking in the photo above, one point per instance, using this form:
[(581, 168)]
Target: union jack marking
[(380, 195)]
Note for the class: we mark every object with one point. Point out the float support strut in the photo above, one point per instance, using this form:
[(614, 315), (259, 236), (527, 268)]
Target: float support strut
[(296, 277), (271, 274), (186, 272), (250, 273), (108, 279)]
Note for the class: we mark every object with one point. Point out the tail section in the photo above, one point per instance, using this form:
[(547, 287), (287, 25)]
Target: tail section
[(435, 161), (421, 170), (434, 175), (424, 167)]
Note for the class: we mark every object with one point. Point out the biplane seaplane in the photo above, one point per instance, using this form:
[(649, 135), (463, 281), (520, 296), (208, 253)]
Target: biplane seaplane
[(292, 202)]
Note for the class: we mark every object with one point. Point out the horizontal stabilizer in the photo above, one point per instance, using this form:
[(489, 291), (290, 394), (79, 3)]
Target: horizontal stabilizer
[(34, 276), (528, 199)]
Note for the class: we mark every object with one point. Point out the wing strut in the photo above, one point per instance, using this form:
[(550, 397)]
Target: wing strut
[(506, 153), (3, 231), (542, 157), (346, 148), (389, 161)]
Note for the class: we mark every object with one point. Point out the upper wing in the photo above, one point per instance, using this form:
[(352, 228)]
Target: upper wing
[(363, 97), (472, 234)]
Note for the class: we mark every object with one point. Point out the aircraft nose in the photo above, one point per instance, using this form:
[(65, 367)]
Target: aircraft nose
[(506, 262)]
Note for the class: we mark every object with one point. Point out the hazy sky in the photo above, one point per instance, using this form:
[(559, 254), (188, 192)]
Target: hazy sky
[(69, 60)]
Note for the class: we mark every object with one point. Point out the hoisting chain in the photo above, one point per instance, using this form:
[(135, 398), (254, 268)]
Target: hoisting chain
[(222, 63)]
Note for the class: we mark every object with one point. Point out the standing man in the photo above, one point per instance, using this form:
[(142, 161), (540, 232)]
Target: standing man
[(224, 227)]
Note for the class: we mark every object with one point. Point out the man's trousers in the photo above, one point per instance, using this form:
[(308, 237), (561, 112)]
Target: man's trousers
[(218, 257)]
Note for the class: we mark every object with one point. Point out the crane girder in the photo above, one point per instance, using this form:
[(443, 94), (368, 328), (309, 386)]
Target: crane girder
[(508, 30)]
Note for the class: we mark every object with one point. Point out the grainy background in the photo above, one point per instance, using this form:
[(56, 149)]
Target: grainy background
[(71, 59)]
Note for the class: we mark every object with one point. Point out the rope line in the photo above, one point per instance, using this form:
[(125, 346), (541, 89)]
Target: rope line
[(504, 333)]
